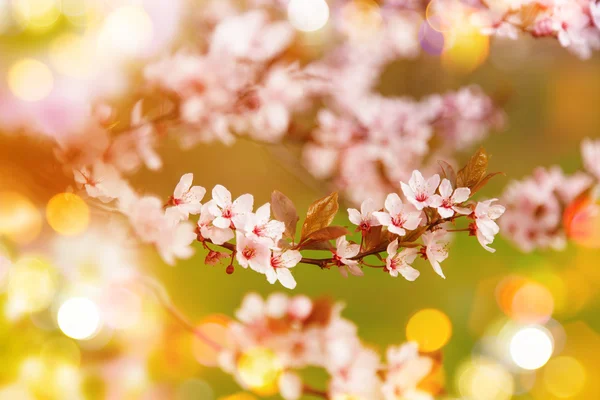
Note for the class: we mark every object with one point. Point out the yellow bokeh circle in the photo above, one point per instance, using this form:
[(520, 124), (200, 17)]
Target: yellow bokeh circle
[(68, 214), (30, 80), (430, 328), (259, 369), (20, 220), (564, 377)]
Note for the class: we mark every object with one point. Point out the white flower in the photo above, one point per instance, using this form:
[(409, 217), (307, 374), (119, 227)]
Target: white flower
[(290, 386), (590, 150), (253, 252), (342, 257), (396, 219), (485, 215), (400, 262), (186, 198), (101, 181), (436, 249), (281, 262), (208, 230), (258, 224), (227, 213), (365, 218), (176, 238), (421, 192), (451, 200), (406, 369)]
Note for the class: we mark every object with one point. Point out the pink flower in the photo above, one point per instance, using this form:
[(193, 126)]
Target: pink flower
[(365, 218), (186, 198), (208, 230), (436, 249), (164, 229), (176, 238), (397, 219), (342, 257), (451, 200), (281, 262), (421, 192), (400, 262), (101, 181), (251, 36), (590, 150), (406, 369), (260, 225), (290, 386), (486, 228), (227, 213), (253, 252)]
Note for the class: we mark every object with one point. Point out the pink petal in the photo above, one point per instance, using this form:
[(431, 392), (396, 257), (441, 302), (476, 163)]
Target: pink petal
[(222, 196)]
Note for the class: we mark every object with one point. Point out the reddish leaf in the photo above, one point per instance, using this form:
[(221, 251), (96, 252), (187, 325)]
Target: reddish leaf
[(448, 172), (321, 312), (320, 215), (316, 245), (475, 170), (214, 257), (373, 238), (284, 210), (328, 233), (484, 182)]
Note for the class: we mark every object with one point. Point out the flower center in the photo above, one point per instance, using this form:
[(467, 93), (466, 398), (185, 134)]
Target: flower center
[(421, 196), (248, 252)]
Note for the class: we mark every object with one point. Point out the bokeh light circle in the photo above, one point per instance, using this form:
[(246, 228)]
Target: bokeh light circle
[(79, 318), (308, 15), (483, 379), (30, 80), (68, 214), (531, 347), (20, 220), (430, 328), (564, 377), (215, 328), (259, 369)]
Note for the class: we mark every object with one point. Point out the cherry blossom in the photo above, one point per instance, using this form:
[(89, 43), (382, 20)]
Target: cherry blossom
[(253, 252), (406, 370), (400, 262), (590, 150), (342, 256), (397, 219), (436, 249), (208, 230), (259, 224), (485, 227), (164, 229), (186, 198), (101, 181), (452, 199), (420, 192), (365, 218), (290, 386), (281, 262), (227, 212)]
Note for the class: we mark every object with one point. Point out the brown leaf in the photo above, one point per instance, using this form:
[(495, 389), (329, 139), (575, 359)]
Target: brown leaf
[(373, 238), (315, 245), (484, 182), (328, 233), (414, 235), (472, 173), (448, 172), (321, 312), (214, 257), (284, 210), (320, 214)]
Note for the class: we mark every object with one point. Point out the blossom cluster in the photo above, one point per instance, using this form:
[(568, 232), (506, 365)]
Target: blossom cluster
[(268, 244), (298, 332), (536, 207)]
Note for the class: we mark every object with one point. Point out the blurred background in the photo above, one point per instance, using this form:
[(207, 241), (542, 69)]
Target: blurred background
[(523, 326)]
